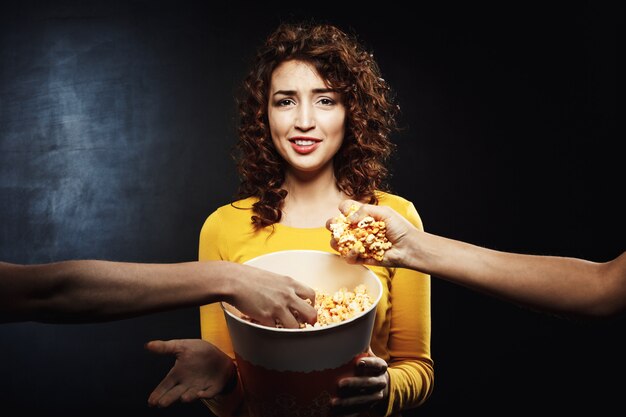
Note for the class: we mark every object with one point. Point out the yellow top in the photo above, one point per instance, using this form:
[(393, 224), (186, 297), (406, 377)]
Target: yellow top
[(401, 334)]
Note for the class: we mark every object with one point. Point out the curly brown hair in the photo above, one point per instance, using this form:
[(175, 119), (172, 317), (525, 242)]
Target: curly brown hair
[(360, 164)]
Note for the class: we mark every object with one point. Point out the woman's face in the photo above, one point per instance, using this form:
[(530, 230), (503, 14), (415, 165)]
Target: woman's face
[(306, 118)]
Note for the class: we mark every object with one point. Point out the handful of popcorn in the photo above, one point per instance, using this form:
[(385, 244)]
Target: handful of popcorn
[(367, 237)]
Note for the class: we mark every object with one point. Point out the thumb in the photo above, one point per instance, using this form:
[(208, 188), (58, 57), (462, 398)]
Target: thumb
[(161, 347), (347, 207)]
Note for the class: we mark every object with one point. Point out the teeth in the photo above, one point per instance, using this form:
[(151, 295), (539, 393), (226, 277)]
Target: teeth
[(301, 142)]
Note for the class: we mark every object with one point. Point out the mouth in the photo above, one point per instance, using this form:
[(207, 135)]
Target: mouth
[(304, 145)]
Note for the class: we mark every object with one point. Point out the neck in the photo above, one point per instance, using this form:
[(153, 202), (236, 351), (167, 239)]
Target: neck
[(311, 186), (313, 198)]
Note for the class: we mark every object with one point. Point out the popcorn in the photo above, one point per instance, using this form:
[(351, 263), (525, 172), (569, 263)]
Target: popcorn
[(341, 306), (367, 238)]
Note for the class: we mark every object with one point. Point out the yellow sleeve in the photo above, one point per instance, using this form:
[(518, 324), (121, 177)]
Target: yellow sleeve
[(411, 369), (213, 246)]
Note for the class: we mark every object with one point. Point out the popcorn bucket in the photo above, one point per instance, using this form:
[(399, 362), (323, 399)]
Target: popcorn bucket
[(294, 372)]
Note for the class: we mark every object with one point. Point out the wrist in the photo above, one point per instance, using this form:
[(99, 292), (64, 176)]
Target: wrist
[(418, 253), (226, 284)]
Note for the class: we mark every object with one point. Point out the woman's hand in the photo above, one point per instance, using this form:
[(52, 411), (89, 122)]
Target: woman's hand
[(201, 371), (367, 389)]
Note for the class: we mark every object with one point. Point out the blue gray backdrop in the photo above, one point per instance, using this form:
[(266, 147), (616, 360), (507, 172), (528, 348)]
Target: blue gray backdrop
[(116, 122)]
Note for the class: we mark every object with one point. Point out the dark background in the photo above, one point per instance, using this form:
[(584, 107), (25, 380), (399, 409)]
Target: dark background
[(116, 122)]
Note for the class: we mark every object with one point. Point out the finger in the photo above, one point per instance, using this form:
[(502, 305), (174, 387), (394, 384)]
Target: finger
[(167, 384), (304, 292), (351, 402), (153, 398), (264, 321), (358, 214), (370, 261), (377, 212), (161, 347), (371, 366), (346, 205), (190, 395), (287, 320), (329, 222), (171, 396), (359, 386), (305, 312), (353, 257), (208, 393)]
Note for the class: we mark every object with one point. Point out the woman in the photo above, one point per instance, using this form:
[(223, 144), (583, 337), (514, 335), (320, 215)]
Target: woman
[(315, 121)]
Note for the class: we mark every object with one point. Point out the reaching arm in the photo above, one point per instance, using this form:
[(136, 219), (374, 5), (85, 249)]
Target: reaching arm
[(556, 284), (92, 290)]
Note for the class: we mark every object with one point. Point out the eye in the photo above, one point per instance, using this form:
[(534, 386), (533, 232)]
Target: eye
[(285, 102), (325, 101)]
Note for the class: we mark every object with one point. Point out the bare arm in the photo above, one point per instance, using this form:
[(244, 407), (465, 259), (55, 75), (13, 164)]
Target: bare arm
[(555, 284), (92, 290)]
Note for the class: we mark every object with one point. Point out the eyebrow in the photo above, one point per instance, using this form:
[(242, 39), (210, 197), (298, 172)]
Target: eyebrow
[(315, 91)]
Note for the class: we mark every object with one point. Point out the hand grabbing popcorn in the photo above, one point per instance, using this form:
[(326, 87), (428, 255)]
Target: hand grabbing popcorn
[(335, 308), (367, 237)]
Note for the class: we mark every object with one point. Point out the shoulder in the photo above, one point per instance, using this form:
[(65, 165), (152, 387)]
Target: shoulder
[(401, 205), (230, 215), (394, 201)]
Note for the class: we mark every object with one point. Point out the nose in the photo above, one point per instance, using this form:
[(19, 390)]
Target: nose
[(305, 119)]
